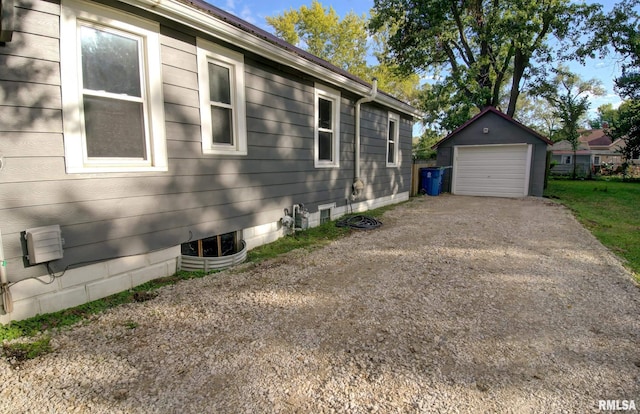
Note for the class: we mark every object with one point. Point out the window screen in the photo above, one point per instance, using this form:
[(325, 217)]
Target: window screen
[(391, 142), (325, 130), (114, 123), (221, 105), (325, 216)]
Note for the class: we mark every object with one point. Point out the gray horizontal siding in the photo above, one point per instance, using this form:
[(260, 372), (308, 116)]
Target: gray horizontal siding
[(22, 69), (380, 179), (38, 18), (114, 214), (30, 117), (30, 95)]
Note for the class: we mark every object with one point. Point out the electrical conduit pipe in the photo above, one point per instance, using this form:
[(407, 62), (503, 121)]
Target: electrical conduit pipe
[(7, 302), (358, 184)]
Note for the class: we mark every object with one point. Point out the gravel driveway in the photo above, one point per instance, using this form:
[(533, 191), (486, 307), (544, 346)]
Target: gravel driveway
[(456, 304)]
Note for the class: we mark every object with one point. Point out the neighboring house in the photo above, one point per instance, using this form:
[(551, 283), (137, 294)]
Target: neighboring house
[(595, 149), (563, 155), (134, 132), (493, 155)]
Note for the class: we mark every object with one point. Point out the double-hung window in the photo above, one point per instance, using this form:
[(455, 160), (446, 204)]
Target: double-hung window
[(111, 91), (327, 127), (222, 99), (393, 134)]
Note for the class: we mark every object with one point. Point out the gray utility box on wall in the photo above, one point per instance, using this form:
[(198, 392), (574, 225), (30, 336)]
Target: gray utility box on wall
[(44, 244)]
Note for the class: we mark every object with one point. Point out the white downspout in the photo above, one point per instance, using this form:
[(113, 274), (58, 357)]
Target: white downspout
[(358, 184)]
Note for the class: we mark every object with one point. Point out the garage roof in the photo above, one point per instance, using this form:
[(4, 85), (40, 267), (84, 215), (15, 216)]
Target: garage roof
[(500, 114)]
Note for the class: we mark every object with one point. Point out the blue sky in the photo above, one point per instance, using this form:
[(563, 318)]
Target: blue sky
[(255, 11)]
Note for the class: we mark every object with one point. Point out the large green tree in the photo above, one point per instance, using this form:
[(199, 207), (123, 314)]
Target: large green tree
[(568, 95), (474, 48), (321, 31), (346, 43), (620, 30), (606, 117), (537, 113), (627, 127)]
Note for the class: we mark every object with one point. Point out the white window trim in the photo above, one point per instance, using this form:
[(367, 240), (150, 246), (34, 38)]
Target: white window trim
[(76, 160), (211, 52), (332, 95), (396, 140)]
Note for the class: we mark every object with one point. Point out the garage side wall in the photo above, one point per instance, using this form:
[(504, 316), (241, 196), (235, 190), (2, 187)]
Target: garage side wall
[(499, 131)]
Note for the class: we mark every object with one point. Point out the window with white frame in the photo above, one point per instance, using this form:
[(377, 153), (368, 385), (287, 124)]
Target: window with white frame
[(325, 211), (327, 127), (111, 90), (393, 135), (566, 159), (222, 99)]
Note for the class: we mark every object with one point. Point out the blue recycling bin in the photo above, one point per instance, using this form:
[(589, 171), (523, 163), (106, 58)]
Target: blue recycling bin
[(431, 179)]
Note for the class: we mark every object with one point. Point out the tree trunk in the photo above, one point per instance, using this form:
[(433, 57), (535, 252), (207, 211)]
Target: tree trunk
[(520, 63)]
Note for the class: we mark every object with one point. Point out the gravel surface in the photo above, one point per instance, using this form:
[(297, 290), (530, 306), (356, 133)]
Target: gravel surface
[(456, 304)]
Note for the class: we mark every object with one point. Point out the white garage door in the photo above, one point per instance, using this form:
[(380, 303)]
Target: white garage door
[(491, 170)]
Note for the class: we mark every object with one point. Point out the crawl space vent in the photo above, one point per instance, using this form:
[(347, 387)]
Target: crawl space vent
[(44, 244)]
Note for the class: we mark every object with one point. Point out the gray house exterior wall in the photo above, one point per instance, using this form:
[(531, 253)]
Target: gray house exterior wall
[(583, 165), (123, 229), (501, 131)]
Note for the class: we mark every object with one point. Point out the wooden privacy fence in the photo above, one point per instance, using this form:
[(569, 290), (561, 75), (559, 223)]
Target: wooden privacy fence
[(415, 174)]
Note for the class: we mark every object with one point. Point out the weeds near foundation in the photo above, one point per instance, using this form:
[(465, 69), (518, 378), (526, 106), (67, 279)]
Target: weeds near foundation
[(18, 352), (34, 327)]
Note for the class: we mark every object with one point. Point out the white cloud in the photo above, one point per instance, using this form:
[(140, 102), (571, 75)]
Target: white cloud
[(247, 14)]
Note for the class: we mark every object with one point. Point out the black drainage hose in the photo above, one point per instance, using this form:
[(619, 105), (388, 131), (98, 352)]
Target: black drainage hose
[(359, 223)]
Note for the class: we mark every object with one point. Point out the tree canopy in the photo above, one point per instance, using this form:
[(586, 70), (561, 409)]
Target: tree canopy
[(606, 117), (568, 95), (620, 30), (323, 33), (479, 53), (537, 113), (627, 127), (345, 42)]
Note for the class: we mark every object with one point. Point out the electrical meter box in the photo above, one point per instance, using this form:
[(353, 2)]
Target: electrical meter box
[(44, 244)]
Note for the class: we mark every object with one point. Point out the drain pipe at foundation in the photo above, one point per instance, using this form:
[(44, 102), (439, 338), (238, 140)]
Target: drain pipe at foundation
[(358, 184)]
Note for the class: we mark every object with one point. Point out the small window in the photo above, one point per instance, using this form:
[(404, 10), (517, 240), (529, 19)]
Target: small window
[(327, 127), (596, 160), (222, 99), (393, 133), (325, 215), (567, 159), (215, 246), (111, 91)]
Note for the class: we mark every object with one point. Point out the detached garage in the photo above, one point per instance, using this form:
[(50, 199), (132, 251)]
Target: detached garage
[(493, 155)]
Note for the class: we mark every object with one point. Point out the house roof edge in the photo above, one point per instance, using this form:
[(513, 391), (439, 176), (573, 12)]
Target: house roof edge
[(218, 23)]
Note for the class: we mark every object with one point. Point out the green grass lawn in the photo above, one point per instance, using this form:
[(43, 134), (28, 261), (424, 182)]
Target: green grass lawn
[(609, 209)]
